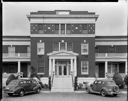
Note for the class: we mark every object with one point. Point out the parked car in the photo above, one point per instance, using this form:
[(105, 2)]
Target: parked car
[(22, 86), (103, 87)]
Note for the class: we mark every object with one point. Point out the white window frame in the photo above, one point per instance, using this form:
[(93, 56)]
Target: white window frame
[(84, 66), (83, 46), (65, 46), (11, 50), (40, 45)]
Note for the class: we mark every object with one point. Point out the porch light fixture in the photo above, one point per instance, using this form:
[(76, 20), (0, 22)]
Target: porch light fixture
[(84, 41), (40, 41), (62, 40)]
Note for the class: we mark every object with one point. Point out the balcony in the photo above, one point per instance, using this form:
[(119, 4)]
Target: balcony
[(111, 55), (16, 55)]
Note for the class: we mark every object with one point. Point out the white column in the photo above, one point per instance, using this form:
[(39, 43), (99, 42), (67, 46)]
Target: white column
[(106, 67), (65, 29), (18, 66), (126, 67), (71, 65), (75, 67), (50, 66), (53, 65)]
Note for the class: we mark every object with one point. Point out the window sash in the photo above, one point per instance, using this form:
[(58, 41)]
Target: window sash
[(84, 49), (84, 67), (40, 48)]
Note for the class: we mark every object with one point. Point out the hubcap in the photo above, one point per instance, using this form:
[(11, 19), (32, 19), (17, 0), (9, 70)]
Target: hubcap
[(22, 93), (103, 93)]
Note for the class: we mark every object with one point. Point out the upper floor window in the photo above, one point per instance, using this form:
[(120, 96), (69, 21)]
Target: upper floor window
[(11, 50), (62, 46), (84, 48), (84, 67), (40, 48)]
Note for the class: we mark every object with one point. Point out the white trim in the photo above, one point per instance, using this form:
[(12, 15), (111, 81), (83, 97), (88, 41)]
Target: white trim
[(114, 59), (85, 73), (106, 68), (15, 43), (12, 60), (111, 43), (110, 39), (62, 35), (62, 20)]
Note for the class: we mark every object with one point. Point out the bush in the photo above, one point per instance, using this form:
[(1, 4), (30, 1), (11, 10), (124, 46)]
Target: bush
[(75, 84), (118, 80), (126, 79), (10, 78)]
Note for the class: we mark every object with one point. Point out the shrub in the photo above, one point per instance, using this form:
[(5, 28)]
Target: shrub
[(75, 84), (49, 82), (118, 80), (126, 79), (10, 78)]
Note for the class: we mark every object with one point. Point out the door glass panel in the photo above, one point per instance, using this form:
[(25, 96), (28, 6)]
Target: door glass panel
[(60, 70), (65, 70)]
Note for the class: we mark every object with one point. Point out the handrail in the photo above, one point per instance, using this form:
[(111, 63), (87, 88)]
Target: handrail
[(52, 79)]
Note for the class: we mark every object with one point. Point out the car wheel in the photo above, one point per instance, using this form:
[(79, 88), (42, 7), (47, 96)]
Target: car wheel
[(10, 94), (87, 90), (114, 94), (103, 93), (21, 93), (38, 90)]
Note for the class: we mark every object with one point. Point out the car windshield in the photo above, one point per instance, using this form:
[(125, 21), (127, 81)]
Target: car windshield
[(110, 83), (14, 82)]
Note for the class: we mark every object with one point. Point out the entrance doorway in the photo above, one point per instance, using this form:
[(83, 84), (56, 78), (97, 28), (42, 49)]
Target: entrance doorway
[(62, 68)]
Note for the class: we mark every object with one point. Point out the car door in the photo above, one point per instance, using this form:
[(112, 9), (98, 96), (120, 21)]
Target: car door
[(33, 84), (94, 86)]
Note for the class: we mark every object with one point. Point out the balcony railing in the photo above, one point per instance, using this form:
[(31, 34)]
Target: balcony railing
[(16, 55), (111, 55)]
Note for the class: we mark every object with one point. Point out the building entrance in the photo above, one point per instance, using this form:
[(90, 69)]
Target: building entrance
[(62, 67)]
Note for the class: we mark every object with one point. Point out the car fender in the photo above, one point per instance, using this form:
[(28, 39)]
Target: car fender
[(105, 89)]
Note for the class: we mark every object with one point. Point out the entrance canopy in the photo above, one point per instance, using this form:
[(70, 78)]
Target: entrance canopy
[(57, 62)]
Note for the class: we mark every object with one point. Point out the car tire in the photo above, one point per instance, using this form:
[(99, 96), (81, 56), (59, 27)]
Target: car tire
[(114, 94), (103, 93), (21, 93), (10, 94), (87, 90), (38, 90)]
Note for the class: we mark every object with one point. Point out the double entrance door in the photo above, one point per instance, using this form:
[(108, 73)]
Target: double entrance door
[(62, 68)]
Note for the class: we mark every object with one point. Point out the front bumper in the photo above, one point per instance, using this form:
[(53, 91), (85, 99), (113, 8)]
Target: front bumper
[(112, 93)]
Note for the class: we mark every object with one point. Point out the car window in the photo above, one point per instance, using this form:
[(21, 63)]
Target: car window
[(99, 82), (24, 82), (34, 81)]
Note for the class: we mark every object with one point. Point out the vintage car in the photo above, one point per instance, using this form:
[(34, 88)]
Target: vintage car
[(22, 86), (103, 87)]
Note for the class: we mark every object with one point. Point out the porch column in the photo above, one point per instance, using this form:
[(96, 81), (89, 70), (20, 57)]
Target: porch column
[(106, 68), (18, 66), (75, 67), (50, 66), (71, 65), (126, 67), (53, 65)]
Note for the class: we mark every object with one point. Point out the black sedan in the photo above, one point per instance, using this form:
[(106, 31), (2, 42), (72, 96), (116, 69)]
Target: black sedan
[(22, 86)]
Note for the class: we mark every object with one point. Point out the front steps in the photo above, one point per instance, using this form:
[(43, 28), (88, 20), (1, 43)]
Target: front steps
[(62, 84)]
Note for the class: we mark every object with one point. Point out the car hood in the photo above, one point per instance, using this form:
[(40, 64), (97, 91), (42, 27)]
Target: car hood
[(11, 87)]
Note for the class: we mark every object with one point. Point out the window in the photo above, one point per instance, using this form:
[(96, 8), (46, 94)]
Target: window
[(84, 49), (62, 46), (56, 46), (11, 50), (69, 46), (41, 64), (40, 48), (62, 28), (84, 67)]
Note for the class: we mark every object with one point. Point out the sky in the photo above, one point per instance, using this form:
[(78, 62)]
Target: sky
[(112, 19)]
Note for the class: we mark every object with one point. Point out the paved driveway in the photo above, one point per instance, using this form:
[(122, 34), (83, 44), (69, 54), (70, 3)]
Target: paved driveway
[(79, 96)]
